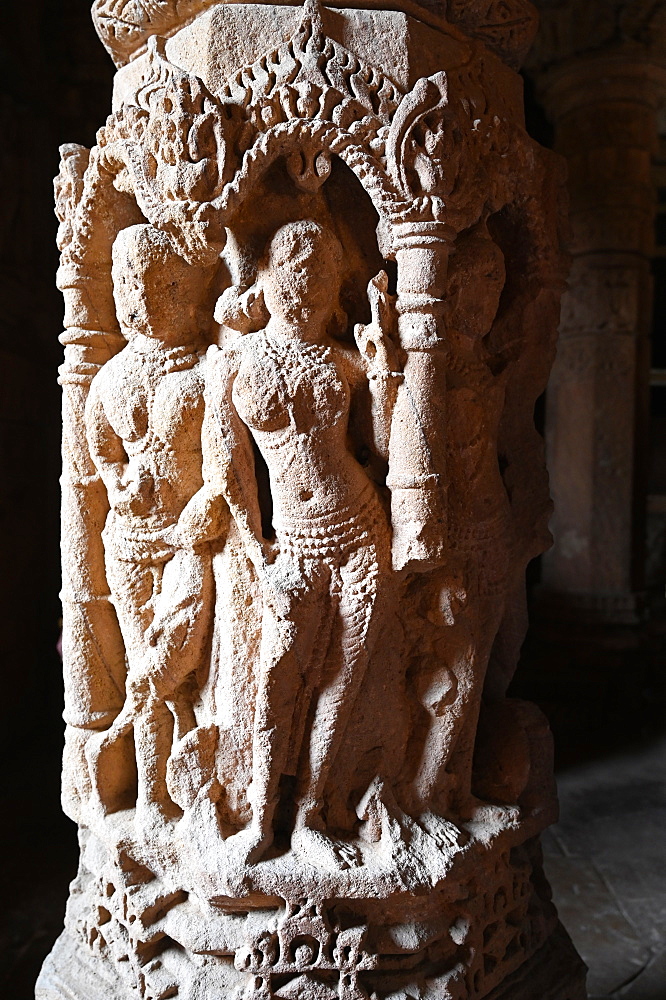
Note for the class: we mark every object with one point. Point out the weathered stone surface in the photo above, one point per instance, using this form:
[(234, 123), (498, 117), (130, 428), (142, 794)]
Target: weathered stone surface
[(311, 299), (507, 27)]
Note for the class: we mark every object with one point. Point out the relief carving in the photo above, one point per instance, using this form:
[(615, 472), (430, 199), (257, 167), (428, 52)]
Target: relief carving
[(308, 316), (506, 26)]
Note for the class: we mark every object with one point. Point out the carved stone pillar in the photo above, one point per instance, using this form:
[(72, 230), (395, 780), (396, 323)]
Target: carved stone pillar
[(418, 450), (312, 271), (603, 96)]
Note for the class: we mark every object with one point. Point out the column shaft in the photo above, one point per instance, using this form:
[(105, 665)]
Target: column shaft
[(604, 110)]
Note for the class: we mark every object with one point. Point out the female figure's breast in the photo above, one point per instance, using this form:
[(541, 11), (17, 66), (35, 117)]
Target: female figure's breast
[(125, 395), (297, 409), (304, 393), (177, 409), (260, 396)]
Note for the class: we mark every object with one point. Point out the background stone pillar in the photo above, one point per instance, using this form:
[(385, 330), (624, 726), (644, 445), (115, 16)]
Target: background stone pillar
[(603, 101)]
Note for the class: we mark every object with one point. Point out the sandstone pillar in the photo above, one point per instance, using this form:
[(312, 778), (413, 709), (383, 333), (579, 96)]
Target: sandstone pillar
[(603, 83), (312, 270)]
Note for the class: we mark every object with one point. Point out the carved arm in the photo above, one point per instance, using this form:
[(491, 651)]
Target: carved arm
[(379, 356), (228, 461), (106, 447)]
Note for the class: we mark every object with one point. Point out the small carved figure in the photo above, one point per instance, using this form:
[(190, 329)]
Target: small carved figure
[(471, 601), (287, 389), (143, 423)]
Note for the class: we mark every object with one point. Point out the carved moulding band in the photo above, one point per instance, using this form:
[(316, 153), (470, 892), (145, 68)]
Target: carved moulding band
[(506, 26)]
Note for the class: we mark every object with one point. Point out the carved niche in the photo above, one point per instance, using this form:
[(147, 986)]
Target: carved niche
[(308, 314)]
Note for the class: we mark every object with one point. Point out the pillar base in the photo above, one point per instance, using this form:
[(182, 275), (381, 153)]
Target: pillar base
[(436, 912), (555, 972)]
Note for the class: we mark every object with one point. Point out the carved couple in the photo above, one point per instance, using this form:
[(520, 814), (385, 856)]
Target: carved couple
[(173, 432)]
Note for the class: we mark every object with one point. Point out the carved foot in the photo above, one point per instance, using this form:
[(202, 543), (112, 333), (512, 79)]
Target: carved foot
[(246, 847), (487, 820), (324, 853), (154, 825), (446, 834)]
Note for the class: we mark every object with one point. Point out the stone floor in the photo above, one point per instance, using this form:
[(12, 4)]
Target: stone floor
[(606, 860)]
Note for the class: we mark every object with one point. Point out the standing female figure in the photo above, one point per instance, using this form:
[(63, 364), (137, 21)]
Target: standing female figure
[(287, 390)]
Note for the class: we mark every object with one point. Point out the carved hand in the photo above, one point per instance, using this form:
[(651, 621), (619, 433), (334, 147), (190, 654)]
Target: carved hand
[(374, 340), (134, 494), (280, 583), (137, 693), (241, 310), (204, 518), (376, 348)]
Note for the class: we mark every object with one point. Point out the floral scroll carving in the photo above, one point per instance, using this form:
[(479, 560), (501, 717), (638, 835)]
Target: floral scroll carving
[(307, 312)]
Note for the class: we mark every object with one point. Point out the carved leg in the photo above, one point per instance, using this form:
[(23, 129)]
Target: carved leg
[(180, 705), (153, 738), (133, 587), (181, 625), (470, 673), (111, 773), (182, 600), (359, 618), (289, 647), (311, 680)]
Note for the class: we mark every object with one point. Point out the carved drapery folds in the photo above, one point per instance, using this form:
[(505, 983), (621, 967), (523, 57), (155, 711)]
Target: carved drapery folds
[(309, 311)]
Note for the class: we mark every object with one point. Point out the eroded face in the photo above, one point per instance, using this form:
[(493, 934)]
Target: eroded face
[(301, 279), (155, 292), (477, 278)]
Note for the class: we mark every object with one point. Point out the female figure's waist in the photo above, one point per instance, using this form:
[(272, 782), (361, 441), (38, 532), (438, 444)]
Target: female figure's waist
[(132, 538), (340, 520)]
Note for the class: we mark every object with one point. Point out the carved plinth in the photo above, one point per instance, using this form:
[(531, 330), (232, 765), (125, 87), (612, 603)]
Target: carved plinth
[(312, 273)]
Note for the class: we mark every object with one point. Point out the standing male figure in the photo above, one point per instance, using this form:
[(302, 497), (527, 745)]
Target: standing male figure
[(143, 423)]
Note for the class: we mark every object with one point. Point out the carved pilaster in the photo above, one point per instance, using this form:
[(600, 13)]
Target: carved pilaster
[(418, 452)]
